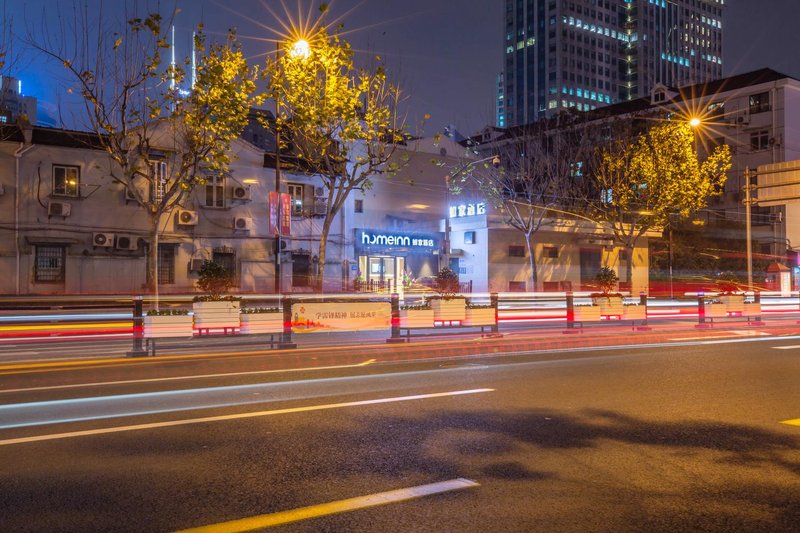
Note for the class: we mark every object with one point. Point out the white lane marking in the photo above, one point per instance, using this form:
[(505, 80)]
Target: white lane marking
[(176, 378), (793, 347), (350, 504), (732, 334), (171, 423)]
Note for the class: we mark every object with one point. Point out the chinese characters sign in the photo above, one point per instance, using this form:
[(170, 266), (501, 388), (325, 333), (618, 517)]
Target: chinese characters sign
[(310, 317), (467, 210)]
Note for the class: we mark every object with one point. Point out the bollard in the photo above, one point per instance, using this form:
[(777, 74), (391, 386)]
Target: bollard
[(643, 302), (495, 304), (571, 314), (285, 342), (701, 312), (137, 350), (395, 303)]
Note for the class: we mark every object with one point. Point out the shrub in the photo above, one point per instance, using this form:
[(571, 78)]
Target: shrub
[(446, 283), (260, 310), (214, 279), (606, 280), (167, 312)]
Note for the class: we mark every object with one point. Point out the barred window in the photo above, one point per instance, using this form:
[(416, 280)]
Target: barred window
[(166, 264), (49, 263)]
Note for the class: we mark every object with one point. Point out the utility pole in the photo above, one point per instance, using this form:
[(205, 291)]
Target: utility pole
[(748, 225)]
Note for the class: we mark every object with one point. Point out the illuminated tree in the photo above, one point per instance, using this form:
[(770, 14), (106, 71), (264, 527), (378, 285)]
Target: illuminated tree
[(341, 121), (641, 181), (161, 141)]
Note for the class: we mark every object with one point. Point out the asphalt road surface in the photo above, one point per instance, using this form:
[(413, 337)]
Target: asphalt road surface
[(694, 435)]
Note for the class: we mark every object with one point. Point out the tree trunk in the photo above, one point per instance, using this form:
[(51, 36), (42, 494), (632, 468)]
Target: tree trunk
[(629, 267), (532, 261), (152, 260), (323, 246)]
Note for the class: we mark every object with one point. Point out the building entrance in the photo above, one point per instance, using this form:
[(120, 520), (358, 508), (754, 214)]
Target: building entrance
[(381, 271)]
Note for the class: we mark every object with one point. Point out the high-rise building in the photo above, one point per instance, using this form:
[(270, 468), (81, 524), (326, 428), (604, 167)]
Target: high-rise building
[(584, 54), (13, 103)]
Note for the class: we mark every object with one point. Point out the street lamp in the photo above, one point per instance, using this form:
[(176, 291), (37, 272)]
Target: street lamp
[(300, 49)]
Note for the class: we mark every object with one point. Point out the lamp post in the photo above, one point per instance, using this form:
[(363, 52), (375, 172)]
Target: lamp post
[(299, 49)]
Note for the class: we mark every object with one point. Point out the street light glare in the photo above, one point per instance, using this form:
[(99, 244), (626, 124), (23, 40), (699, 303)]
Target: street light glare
[(301, 49), (694, 122)]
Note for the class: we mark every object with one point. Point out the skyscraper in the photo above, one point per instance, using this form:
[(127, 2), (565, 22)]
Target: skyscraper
[(589, 53)]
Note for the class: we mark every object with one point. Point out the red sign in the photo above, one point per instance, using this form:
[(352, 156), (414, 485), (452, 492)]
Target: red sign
[(273, 212), (286, 214)]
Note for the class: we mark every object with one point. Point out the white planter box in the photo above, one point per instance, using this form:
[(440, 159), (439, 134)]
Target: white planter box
[(216, 314), (254, 323), (733, 303), (634, 312), (416, 318), (751, 309), (480, 317), (716, 311), (586, 313), (160, 326), (449, 309), (609, 305)]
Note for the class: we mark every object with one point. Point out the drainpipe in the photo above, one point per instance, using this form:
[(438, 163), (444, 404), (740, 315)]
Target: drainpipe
[(27, 134)]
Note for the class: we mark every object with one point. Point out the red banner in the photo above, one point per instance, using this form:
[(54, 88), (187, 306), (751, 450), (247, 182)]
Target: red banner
[(286, 214), (273, 212)]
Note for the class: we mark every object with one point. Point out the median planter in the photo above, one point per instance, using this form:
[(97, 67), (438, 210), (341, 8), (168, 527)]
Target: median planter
[(480, 316), (261, 322), (161, 326), (216, 314), (608, 305), (634, 312), (416, 318), (586, 313), (751, 309), (734, 303), (449, 309)]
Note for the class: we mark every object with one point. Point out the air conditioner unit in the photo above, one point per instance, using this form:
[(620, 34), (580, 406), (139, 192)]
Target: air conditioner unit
[(103, 240), (127, 242), (743, 119), (321, 206), (240, 192), (59, 209), (319, 192), (187, 218), (130, 196), (776, 141), (243, 223)]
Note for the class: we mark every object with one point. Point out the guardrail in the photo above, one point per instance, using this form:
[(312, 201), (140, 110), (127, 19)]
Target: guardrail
[(123, 316)]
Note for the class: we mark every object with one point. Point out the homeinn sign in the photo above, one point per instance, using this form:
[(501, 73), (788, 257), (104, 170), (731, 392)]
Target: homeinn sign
[(393, 241)]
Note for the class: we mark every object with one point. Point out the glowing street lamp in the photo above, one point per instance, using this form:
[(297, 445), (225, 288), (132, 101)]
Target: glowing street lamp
[(694, 122), (300, 49)]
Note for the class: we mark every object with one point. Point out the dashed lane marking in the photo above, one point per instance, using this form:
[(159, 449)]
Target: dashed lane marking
[(793, 422), (340, 506)]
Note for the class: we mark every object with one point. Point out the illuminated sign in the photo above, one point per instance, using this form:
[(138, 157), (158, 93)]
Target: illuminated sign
[(376, 240), (467, 210)]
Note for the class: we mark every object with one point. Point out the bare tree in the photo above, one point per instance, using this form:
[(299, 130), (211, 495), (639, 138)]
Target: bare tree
[(541, 167)]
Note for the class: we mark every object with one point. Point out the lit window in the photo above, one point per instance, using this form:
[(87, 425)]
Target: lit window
[(296, 192), (49, 265), (66, 180)]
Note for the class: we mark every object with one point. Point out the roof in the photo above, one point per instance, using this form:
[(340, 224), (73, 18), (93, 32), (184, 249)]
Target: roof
[(52, 137)]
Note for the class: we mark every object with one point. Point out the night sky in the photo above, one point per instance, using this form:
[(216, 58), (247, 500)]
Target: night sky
[(444, 53)]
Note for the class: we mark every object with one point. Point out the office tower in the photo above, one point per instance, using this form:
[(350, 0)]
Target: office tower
[(584, 54)]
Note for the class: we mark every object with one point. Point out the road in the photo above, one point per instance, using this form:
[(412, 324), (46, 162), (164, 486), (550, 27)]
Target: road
[(694, 435)]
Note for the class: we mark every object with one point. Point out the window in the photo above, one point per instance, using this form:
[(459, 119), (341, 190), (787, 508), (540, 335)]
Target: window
[(66, 180), (49, 264), (759, 140), (296, 192), (759, 103), (166, 264), (158, 176), (358, 206), (551, 252), (215, 192), (516, 251), (469, 237), (226, 258)]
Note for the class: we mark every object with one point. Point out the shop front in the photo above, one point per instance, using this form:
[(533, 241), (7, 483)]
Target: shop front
[(386, 258)]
